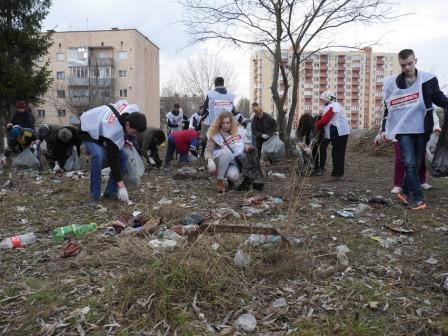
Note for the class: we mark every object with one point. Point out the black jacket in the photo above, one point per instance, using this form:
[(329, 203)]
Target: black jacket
[(264, 125), (60, 148), (24, 119), (431, 95)]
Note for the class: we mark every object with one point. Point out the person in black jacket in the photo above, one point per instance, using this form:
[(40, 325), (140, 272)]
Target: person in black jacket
[(408, 118), (62, 146), (263, 126), (150, 140), (23, 116)]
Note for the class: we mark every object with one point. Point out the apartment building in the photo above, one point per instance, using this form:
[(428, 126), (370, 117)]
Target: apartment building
[(355, 77), (93, 68)]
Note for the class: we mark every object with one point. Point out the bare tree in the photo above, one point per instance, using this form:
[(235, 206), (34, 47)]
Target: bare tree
[(277, 24), (243, 106), (196, 75)]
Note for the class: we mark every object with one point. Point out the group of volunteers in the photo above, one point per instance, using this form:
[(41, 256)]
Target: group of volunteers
[(217, 134), (409, 120)]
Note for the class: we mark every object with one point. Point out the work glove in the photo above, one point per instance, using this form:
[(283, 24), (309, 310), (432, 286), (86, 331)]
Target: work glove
[(2, 161), (57, 168), (211, 165), (265, 136), (123, 195), (378, 140)]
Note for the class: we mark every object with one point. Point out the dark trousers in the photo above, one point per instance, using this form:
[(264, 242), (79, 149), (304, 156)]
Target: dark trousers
[(339, 145), (412, 148)]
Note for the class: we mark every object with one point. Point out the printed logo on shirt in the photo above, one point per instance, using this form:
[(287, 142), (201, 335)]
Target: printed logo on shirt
[(121, 107), (232, 140), (224, 104), (409, 99), (111, 118)]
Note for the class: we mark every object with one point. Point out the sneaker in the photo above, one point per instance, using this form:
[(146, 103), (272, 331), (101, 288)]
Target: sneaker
[(420, 205), (93, 203), (318, 172), (403, 198), (425, 186), (395, 190)]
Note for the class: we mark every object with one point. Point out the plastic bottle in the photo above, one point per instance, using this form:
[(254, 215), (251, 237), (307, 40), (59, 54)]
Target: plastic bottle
[(75, 229), (18, 241)]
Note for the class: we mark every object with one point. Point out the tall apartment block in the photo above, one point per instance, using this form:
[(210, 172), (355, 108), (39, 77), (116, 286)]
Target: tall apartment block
[(355, 77), (93, 68)]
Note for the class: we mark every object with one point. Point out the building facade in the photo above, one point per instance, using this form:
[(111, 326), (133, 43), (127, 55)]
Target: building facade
[(355, 77), (93, 68)]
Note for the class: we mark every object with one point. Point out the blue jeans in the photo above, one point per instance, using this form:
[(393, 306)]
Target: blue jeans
[(98, 161), (170, 150), (412, 147)]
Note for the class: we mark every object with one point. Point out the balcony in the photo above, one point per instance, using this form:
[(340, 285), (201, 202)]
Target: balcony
[(90, 81), (79, 101), (101, 81), (101, 62), (78, 82)]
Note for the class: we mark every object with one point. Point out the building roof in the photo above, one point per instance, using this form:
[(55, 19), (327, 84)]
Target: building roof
[(103, 30)]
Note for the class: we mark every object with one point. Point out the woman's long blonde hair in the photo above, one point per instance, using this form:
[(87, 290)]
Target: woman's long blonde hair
[(215, 127)]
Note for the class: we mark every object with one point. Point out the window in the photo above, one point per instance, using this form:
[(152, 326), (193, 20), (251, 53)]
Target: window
[(60, 75), (41, 113), (61, 113), (101, 54), (61, 93), (60, 56), (104, 72), (78, 72), (40, 59), (124, 93), (77, 55), (124, 73), (122, 55)]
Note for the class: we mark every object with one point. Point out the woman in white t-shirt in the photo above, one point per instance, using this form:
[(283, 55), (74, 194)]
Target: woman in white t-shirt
[(336, 131), (226, 140)]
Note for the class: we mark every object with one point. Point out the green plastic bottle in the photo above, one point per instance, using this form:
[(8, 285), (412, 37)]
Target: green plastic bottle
[(75, 229)]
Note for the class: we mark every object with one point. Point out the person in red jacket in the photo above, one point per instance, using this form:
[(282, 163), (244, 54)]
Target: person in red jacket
[(182, 142)]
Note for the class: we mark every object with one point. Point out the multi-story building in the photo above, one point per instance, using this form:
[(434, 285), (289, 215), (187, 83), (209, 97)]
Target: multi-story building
[(355, 77), (92, 68)]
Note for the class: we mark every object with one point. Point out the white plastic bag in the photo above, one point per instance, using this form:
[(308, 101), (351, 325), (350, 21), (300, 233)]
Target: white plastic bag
[(26, 159), (73, 162), (273, 149), (135, 167)]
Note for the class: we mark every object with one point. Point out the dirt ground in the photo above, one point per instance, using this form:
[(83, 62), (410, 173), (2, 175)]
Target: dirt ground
[(119, 285)]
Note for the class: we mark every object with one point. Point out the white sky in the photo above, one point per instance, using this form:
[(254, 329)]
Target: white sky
[(424, 31)]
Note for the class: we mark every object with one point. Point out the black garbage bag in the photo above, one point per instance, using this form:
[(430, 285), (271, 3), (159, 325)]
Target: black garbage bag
[(439, 165), (249, 164)]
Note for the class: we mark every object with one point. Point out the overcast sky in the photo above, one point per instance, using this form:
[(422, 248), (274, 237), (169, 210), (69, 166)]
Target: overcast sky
[(424, 31)]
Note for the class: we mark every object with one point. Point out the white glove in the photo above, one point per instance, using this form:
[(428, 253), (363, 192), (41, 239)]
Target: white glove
[(56, 168), (123, 195), (211, 165), (2, 161), (265, 136), (378, 139)]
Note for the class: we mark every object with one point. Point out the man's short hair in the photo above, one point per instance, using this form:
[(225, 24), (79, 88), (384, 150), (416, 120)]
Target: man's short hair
[(176, 105), (254, 104), (219, 81), (405, 53), (136, 121)]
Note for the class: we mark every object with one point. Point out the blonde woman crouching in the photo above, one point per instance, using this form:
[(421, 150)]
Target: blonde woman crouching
[(226, 140)]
